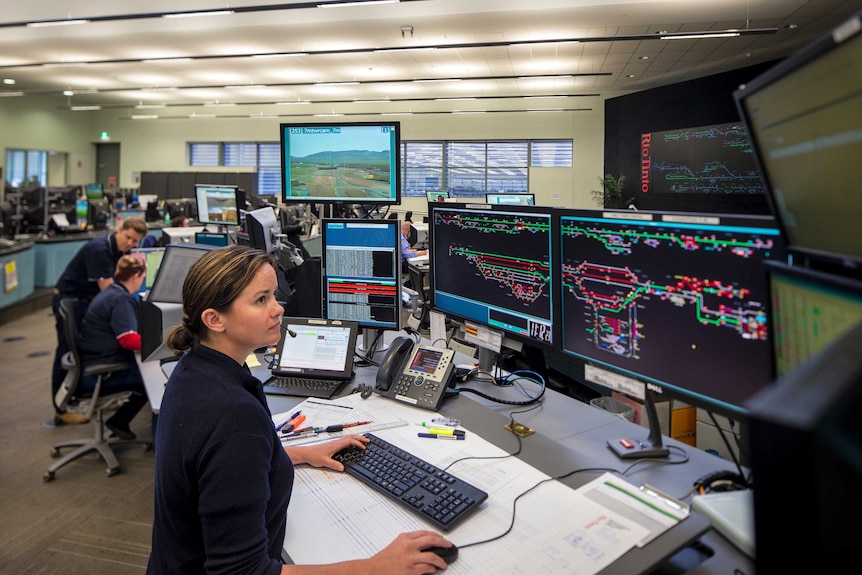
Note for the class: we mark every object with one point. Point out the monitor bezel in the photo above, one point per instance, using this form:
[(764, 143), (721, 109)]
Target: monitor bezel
[(850, 30), (394, 167), (396, 237), (626, 379), (434, 207), (496, 195), (201, 204)]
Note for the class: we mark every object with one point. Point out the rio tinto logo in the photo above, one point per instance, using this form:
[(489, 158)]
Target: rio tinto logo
[(645, 162)]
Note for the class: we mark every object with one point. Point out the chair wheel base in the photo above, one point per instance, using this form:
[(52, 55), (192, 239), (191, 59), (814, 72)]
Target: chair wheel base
[(111, 471), (55, 453), (49, 476)]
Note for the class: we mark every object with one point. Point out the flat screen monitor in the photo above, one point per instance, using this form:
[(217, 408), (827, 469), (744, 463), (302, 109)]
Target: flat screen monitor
[(162, 308), (179, 235), (94, 191), (98, 213), (805, 446), (181, 207), (219, 205), (436, 196), (510, 199), (168, 282), (678, 301), (804, 117), (262, 229), (82, 211), (810, 309), (362, 271), (153, 258), (219, 240), (492, 265), (348, 162)]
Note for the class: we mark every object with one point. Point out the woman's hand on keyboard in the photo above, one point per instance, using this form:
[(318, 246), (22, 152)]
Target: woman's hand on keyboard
[(320, 454)]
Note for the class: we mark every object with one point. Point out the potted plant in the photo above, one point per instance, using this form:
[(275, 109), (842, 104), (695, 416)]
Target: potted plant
[(610, 193)]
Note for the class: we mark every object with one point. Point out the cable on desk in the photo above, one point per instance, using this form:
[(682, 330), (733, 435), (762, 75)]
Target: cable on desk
[(518, 375)]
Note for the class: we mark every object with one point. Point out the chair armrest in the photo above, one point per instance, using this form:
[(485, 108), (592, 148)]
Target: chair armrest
[(100, 368)]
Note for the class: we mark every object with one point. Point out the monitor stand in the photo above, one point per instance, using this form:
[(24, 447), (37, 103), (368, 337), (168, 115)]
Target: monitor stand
[(372, 337), (631, 448)]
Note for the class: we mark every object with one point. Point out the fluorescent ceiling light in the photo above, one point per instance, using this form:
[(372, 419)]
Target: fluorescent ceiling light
[(336, 83), (728, 34), (292, 103), (8, 81), (10, 94), (357, 3), (144, 116), (149, 106), (84, 108), (416, 49), (246, 86), (196, 14), (452, 99), (280, 55), (560, 77), (49, 23), (431, 80), (168, 59), (201, 116)]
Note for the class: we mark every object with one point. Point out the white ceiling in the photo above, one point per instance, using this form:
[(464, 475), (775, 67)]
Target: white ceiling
[(221, 72)]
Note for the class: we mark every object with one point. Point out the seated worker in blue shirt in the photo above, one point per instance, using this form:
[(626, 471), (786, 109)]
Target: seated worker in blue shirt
[(406, 251), (90, 271), (110, 333), (223, 480)]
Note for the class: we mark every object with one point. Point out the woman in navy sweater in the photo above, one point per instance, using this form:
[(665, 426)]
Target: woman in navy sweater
[(109, 333), (222, 478)]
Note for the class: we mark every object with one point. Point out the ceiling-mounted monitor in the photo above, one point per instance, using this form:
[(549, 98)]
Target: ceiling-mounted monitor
[(345, 162)]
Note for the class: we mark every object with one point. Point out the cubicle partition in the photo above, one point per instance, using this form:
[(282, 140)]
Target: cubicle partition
[(18, 263)]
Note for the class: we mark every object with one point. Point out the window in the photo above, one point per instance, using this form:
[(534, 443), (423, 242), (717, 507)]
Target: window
[(465, 169), (423, 167), (26, 167), (551, 154)]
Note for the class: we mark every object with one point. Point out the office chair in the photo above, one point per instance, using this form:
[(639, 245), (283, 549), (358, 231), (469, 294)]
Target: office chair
[(417, 282), (92, 405)]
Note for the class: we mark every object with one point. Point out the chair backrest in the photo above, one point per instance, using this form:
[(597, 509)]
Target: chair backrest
[(71, 361)]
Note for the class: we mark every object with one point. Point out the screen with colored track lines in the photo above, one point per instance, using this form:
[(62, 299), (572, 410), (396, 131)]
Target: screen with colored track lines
[(493, 265), (676, 299)]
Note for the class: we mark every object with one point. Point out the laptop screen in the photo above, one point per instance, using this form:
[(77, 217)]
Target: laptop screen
[(322, 348)]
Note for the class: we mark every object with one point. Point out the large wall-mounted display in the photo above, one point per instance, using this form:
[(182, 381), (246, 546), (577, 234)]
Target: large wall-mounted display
[(714, 159), (682, 110)]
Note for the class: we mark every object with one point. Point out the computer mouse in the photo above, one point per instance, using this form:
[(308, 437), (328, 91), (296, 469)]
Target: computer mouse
[(449, 554)]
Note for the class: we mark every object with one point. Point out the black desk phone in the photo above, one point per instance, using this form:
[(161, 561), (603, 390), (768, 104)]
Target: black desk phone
[(416, 374)]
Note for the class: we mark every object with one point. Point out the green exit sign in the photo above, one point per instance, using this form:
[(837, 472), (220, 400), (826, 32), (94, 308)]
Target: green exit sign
[(104, 135)]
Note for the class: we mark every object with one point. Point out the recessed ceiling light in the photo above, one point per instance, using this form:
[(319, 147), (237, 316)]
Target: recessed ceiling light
[(630, 76), (643, 57), (8, 81)]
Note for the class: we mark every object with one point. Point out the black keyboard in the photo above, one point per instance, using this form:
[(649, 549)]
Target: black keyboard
[(421, 487), (302, 386)]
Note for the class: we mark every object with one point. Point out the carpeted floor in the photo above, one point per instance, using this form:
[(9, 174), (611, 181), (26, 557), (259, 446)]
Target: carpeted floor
[(83, 521)]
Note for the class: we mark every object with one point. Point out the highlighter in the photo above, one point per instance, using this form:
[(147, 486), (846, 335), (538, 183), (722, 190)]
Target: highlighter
[(446, 431)]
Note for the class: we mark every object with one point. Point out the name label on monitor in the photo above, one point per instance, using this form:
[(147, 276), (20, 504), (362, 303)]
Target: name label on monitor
[(614, 381)]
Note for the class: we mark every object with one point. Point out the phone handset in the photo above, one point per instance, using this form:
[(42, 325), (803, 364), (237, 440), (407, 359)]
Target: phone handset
[(394, 362)]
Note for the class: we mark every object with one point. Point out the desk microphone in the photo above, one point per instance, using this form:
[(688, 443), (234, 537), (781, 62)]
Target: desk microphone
[(289, 331)]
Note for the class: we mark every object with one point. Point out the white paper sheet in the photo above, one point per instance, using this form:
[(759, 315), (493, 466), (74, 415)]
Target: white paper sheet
[(333, 517)]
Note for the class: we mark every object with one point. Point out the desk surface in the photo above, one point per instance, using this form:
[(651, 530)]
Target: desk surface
[(569, 435)]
